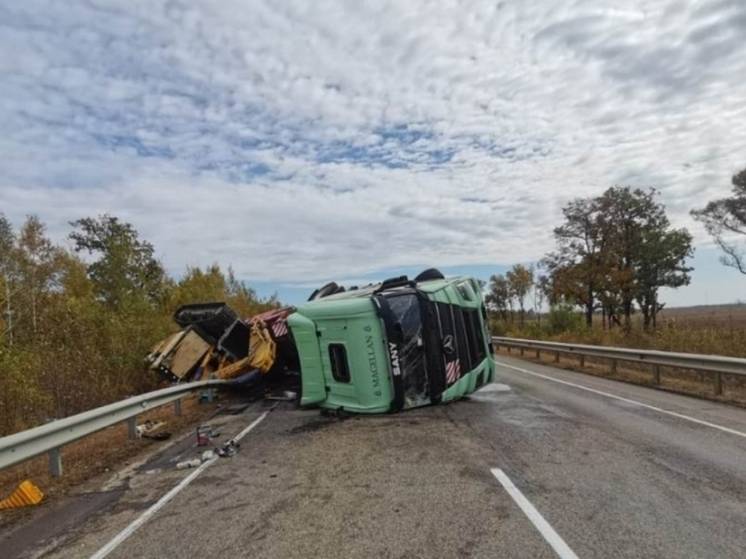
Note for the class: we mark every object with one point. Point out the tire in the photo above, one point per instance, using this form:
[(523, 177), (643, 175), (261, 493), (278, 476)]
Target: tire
[(328, 289), (429, 274)]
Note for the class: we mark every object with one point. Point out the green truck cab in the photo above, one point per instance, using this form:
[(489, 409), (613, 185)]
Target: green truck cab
[(394, 345)]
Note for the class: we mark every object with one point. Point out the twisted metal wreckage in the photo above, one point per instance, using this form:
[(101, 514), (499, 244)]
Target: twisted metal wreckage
[(379, 348)]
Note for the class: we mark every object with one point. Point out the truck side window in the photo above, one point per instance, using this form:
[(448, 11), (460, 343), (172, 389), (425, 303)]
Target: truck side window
[(338, 358)]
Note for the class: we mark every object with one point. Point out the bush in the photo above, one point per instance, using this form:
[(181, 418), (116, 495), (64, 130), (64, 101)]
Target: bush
[(563, 318)]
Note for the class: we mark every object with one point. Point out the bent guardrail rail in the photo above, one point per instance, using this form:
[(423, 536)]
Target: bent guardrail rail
[(716, 364), (51, 437)]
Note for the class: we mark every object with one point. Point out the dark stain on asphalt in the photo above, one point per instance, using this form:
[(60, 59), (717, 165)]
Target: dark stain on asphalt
[(57, 522), (312, 426)]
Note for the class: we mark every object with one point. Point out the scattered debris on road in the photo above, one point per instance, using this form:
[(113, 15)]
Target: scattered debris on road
[(208, 455), (203, 435), (151, 430), (148, 427), (228, 449)]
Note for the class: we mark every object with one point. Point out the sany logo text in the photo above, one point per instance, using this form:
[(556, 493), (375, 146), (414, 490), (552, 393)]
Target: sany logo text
[(394, 353)]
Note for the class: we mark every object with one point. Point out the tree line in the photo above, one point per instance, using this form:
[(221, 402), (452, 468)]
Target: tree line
[(614, 253), (76, 324)]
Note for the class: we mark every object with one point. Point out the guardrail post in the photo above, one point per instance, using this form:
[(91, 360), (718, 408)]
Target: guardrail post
[(582, 360), (177, 407), (556, 356), (509, 348), (656, 374), (718, 384), (132, 427), (55, 462), (613, 366), (538, 354), (521, 351)]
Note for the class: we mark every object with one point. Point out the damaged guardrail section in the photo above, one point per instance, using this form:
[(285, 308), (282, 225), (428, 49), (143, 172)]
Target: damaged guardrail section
[(715, 364), (50, 438)]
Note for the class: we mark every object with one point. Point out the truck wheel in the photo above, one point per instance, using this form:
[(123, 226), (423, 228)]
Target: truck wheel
[(328, 289), (429, 274)]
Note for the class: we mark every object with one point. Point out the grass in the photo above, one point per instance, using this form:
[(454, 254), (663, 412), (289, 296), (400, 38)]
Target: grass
[(683, 381), (713, 330)]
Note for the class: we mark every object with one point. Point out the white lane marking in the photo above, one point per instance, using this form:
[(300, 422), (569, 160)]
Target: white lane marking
[(544, 528), (158, 505), (253, 424), (628, 400)]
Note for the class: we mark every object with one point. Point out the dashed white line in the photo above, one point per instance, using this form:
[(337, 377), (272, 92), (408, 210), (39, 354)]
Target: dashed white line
[(544, 528), (628, 400), (158, 505)]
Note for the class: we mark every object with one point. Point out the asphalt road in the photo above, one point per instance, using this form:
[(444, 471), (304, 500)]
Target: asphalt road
[(607, 469)]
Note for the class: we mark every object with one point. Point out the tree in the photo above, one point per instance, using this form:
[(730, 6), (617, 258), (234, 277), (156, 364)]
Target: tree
[(499, 295), (126, 266), (8, 269), (542, 291), (577, 265), (199, 286), (520, 280), (616, 249), (725, 220), (77, 331), (661, 261), (629, 210), (644, 254), (37, 267)]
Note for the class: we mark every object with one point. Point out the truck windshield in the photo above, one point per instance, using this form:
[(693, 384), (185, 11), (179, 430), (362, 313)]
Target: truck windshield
[(407, 318)]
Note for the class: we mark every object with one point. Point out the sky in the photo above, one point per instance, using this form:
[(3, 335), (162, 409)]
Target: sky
[(305, 141)]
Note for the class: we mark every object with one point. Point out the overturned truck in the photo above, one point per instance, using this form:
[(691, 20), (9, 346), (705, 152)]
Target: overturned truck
[(380, 348)]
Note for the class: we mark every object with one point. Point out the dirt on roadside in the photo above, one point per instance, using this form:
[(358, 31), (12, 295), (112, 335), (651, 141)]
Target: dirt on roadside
[(106, 451)]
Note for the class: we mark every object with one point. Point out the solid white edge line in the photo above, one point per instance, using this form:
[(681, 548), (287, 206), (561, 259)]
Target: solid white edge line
[(628, 400), (251, 426), (544, 528), (158, 505)]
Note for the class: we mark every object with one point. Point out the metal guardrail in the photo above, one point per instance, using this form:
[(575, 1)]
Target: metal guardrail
[(716, 364), (51, 437)]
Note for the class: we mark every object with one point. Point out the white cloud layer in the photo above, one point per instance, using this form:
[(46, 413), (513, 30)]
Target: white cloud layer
[(319, 139)]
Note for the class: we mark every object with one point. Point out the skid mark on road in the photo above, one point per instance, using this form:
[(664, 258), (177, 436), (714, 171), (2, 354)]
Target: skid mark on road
[(628, 400), (544, 528), (158, 505)]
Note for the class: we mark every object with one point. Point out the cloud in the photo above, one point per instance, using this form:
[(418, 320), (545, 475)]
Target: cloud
[(313, 140)]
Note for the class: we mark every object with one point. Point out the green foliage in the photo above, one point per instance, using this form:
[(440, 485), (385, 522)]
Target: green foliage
[(498, 326), (125, 267), (725, 220), (79, 331), (498, 298), (563, 318), (21, 396), (617, 249), (520, 281)]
